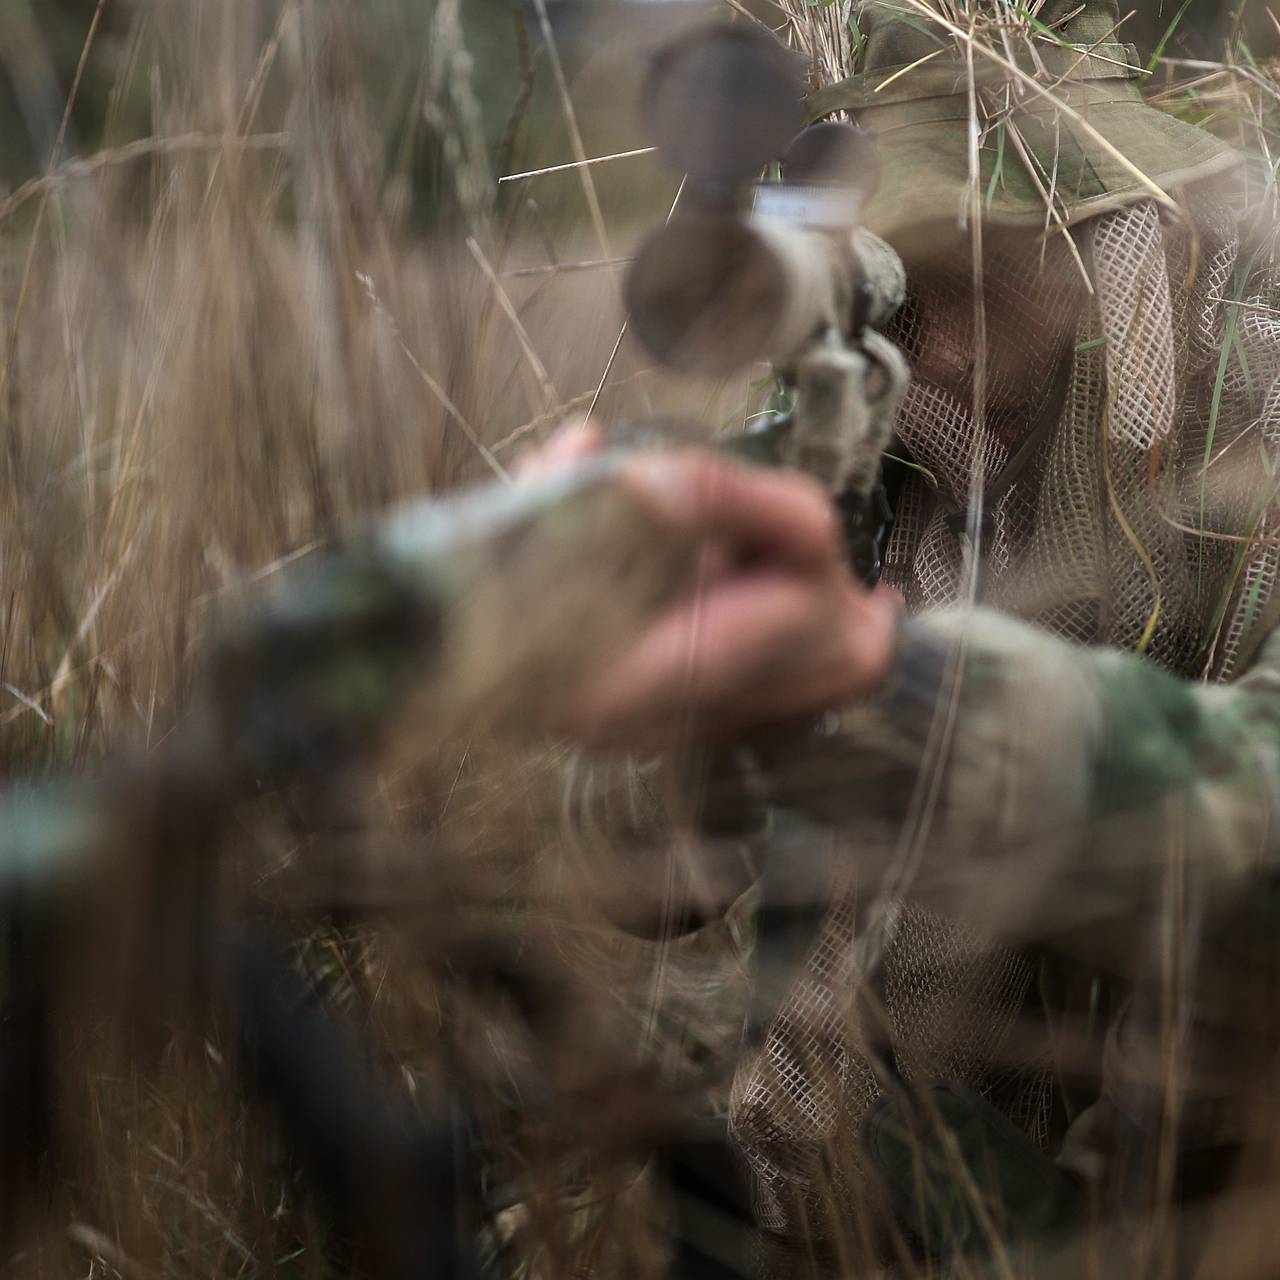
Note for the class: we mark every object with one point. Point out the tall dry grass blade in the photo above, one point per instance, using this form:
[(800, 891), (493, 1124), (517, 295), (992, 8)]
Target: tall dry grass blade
[(556, 268), (550, 396), (140, 148), (577, 164), (575, 134), (54, 156), (431, 383)]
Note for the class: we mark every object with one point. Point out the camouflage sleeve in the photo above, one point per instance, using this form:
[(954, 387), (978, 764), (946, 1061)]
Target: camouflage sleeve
[(1048, 791)]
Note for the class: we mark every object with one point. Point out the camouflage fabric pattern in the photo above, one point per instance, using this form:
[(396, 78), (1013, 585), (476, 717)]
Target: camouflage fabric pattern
[(1016, 796), (1100, 805), (1105, 152)]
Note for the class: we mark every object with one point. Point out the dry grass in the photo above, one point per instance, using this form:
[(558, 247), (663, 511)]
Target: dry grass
[(223, 342)]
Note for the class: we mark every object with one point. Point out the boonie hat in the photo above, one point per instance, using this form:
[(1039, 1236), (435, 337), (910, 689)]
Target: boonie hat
[(914, 92)]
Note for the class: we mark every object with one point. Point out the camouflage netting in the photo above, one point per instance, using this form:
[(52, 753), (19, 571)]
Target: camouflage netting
[(1099, 538), (1110, 530)]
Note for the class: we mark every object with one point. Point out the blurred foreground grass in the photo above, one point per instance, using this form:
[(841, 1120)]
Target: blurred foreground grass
[(256, 283)]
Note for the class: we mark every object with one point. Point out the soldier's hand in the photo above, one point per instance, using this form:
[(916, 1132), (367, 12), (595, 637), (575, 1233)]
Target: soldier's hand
[(776, 627)]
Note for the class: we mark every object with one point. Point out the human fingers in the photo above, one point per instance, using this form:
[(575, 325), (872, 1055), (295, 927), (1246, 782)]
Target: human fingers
[(779, 514), (706, 653), (572, 441), (846, 653), (754, 649)]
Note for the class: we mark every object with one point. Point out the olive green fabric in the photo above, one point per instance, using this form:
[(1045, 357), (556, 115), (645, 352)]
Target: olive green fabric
[(913, 91)]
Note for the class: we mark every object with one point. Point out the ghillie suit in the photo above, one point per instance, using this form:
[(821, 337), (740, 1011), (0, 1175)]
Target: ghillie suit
[(1092, 451)]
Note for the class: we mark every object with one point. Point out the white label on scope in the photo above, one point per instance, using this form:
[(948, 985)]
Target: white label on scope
[(829, 208)]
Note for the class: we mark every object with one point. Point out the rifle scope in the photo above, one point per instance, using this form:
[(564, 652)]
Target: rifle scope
[(720, 286)]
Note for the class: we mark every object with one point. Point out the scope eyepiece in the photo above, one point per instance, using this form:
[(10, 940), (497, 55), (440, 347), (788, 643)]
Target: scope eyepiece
[(830, 154), (713, 294), (723, 101)]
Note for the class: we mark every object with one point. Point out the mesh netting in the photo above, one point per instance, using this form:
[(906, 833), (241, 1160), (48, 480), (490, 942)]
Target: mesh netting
[(1138, 522)]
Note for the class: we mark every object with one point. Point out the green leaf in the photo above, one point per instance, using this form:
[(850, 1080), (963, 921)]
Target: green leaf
[(1265, 459), (1243, 361), (1154, 60), (1036, 25), (1251, 604), (929, 478), (935, 36), (997, 170), (856, 32)]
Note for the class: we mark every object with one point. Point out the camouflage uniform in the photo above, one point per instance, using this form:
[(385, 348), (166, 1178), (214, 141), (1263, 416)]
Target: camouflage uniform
[(1032, 821), (1075, 792)]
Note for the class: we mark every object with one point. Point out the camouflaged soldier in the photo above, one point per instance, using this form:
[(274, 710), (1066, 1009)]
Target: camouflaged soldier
[(1050, 963), (1055, 932)]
